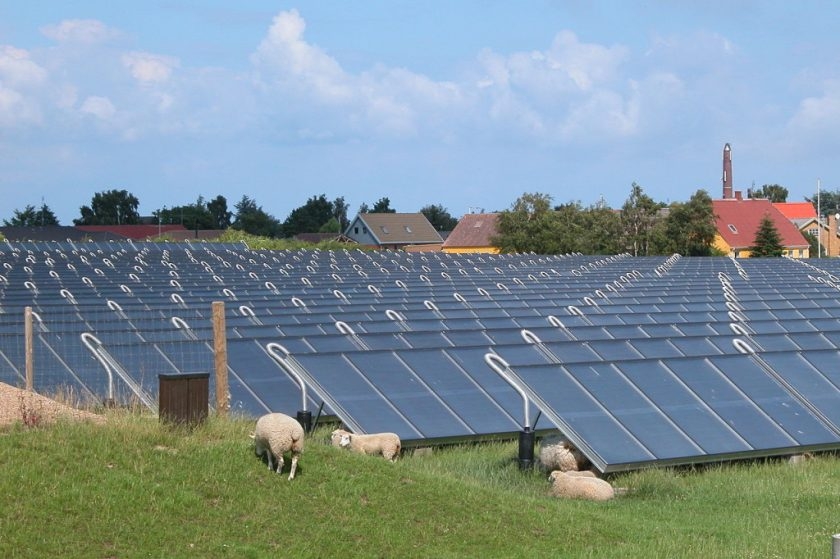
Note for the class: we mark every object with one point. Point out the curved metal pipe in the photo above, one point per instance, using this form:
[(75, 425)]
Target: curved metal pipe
[(272, 348), (89, 339), (501, 367)]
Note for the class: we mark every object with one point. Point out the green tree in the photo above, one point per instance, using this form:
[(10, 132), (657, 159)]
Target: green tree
[(773, 192), (219, 211), (688, 229), (30, 217), (340, 211), (569, 223), (816, 249), (310, 217), (829, 202), (439, 217), (110, 207), (600, 231), (192, 216), (529, 226), (251, 218), (332, 226), (767, 241), (638, 215)]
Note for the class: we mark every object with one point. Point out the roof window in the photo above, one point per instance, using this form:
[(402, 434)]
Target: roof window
[(733, 228)]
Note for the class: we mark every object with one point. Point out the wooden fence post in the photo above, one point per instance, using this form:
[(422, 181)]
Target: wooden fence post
[(220, 355)]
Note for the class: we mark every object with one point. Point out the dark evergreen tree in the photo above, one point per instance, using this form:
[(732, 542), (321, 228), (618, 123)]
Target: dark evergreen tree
[(30, 217), (767, 241)]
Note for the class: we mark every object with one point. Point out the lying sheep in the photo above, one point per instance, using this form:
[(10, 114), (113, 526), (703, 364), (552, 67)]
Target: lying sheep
[(557, 453), (276, 434), (386, 444), (580, 485)]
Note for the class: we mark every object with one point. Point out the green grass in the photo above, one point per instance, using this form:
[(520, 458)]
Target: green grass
[(138, 488)]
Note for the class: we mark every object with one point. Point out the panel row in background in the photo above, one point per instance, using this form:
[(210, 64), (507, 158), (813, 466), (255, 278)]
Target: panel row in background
[(677, 318)]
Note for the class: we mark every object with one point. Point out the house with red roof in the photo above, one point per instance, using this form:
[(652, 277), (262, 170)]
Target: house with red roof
[(738, 220), (804, 215), (473, 234)]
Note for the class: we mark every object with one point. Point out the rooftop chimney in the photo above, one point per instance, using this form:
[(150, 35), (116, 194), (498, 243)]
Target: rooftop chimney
[(727, 172)]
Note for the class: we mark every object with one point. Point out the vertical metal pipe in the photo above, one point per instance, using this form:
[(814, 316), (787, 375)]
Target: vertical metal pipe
[(835, 546)]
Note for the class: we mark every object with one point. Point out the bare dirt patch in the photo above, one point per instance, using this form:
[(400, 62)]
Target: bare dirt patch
[(22, 406)]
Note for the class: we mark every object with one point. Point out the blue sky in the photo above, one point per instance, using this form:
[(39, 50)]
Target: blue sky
[(466, 104)]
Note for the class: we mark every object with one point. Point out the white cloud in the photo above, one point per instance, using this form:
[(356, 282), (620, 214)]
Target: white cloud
[(18, 69), (819, 113), (566, 67), (292, 61), (100, 107), (567, 92), (585, 64), (149, 68), (81, 31), (20, 76), (391, 101), (17, 109)]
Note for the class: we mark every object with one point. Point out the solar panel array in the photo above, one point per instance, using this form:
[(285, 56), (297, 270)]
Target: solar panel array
[(639, 361)]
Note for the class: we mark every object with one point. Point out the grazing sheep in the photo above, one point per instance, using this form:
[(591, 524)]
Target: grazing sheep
[(575, 485), (557, 453), (386, 444), (276, 434)]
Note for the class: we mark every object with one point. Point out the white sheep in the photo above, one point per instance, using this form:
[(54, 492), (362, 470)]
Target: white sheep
[(386, 444), (557, 453), (276, 434), (580, 485)]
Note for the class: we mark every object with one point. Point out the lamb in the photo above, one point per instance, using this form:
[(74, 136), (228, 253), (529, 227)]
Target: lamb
[(557, 453), (276, 434), (386, 444), (580, 485)]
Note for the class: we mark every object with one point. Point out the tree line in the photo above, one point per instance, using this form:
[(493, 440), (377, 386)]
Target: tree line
[(643, 227), (317, 215), (533, 224)]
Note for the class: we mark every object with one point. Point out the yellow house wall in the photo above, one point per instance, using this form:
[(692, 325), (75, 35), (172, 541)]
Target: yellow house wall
[(724, 247)]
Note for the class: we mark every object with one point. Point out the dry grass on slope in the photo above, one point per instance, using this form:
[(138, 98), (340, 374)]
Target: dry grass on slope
[(31, 409)]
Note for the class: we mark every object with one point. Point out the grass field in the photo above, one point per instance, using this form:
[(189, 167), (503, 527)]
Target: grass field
[(137, 488)]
